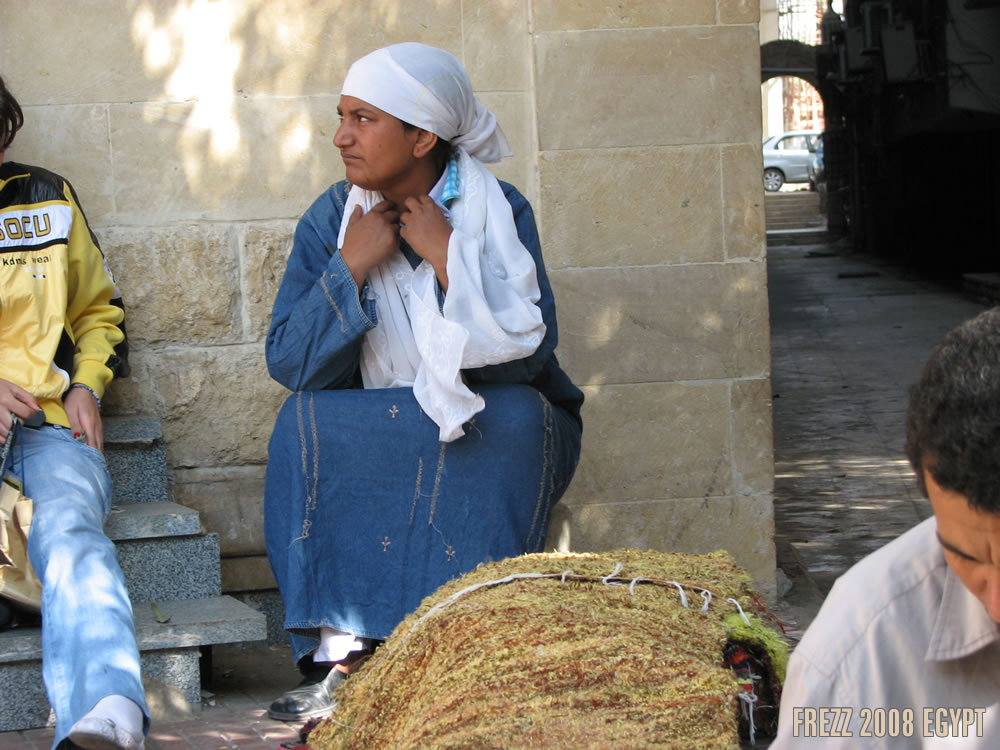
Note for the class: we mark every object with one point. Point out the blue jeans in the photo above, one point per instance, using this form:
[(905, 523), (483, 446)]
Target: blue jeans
[(89, 647)]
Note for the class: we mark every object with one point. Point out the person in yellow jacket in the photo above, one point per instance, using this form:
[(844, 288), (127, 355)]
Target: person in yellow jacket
[(62, 341)]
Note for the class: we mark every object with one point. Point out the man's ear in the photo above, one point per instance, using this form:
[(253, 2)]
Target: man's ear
[(426, 140)]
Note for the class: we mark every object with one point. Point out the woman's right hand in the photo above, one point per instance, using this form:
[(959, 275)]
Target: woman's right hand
[(14, 400), (369, 239)]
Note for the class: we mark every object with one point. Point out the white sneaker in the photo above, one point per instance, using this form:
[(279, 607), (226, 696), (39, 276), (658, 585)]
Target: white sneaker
[(93, 733)]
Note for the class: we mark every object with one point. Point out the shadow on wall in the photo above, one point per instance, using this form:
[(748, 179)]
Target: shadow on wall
[(210, 110), (195, 133), (192, 119), (201, 53), (231, 75)]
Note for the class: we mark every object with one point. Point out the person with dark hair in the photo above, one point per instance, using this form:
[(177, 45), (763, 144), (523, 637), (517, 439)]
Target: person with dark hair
[(431, 428), (11, 117), (953, 422), (905, 651), (62, 341)]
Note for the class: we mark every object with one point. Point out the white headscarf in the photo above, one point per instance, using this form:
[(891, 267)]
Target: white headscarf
[(490, 313), (428, 87)]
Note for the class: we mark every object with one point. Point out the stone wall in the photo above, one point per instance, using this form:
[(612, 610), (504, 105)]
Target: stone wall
[(197, 132)]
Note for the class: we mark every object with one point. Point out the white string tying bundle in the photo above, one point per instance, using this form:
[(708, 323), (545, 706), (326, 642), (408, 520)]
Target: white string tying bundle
[(684, 599), (742, 613), (607, 580), (631, 586), (475, 587), (747, 698), (747, 703)]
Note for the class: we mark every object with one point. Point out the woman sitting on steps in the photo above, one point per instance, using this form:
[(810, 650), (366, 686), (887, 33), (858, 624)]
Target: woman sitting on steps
[(431, 428)]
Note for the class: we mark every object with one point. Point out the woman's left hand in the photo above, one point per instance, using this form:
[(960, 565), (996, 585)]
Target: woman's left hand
[(85, 417), (426, 230)]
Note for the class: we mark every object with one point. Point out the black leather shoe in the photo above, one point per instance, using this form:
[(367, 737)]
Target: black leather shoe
[(310, 698)]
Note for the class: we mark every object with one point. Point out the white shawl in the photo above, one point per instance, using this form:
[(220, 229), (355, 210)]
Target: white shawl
[(490, 313)]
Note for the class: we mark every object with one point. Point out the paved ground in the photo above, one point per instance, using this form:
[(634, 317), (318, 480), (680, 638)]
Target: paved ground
[(849, 334)]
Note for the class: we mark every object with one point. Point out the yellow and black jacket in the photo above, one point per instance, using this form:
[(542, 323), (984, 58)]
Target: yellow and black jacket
[(61, 317)]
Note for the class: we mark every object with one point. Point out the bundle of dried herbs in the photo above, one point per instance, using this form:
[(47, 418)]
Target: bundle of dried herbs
[(621, 649)]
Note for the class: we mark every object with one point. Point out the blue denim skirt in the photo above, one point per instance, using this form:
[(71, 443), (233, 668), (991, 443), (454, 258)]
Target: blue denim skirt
[(367, 512)]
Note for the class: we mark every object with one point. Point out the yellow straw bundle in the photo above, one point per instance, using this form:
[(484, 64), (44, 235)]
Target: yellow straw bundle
[(556, 651)]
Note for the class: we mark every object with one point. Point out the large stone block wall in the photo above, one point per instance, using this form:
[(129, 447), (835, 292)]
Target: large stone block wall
[(197, 132), (652, 219)]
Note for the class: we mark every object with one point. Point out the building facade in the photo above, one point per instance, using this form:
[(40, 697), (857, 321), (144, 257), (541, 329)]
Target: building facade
[(196, 132)]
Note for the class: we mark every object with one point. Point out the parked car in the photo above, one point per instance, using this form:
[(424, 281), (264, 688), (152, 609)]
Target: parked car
[(786, 158), (816, 174)]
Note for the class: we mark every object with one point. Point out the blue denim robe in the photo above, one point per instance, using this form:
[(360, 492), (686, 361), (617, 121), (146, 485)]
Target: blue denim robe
[(366, 511)]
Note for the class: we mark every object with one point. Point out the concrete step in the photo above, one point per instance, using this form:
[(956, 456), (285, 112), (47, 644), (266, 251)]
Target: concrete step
[(170, 654), (201, 622), (163, 553), (137, 459), (167, 559), (165, 568), (151, 520), (799, 210), (782, 237)]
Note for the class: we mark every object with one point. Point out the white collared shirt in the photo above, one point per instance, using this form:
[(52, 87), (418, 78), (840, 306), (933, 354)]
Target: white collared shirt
[(899, 649)]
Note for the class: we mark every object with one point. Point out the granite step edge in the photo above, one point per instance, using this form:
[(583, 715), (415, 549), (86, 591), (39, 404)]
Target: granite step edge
[(131, 430), (147, 520), (171, 568), (192, 622)]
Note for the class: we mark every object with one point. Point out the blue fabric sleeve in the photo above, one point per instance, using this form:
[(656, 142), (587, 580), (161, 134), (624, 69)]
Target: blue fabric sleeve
[(318, 319)]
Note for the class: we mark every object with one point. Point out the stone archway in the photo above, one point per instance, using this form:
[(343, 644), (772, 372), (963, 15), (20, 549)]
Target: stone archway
[(787, 57)]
